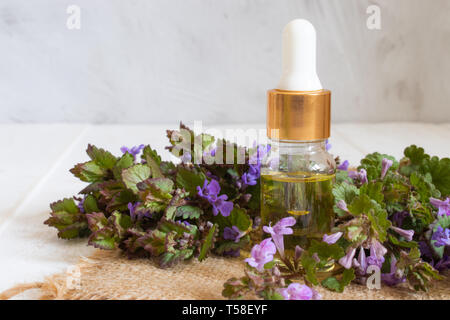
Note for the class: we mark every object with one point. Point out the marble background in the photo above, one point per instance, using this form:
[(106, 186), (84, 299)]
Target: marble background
[(159, 61)]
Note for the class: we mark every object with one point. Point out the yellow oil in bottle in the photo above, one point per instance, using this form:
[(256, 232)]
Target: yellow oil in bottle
[(306, 197)]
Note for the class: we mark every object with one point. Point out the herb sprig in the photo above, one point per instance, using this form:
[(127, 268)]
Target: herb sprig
[(391, 214)]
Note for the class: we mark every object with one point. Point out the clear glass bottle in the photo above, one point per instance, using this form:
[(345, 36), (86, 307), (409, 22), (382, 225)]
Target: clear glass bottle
[(298, 174), (296, 181)]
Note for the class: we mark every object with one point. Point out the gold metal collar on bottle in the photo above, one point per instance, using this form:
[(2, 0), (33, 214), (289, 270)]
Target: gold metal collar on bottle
[(298, 115)]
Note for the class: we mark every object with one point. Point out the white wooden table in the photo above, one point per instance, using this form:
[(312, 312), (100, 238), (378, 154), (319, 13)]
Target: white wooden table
[(35, 160)]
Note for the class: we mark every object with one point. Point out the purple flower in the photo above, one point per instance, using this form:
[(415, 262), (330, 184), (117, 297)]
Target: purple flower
[(385, 165), (134, 151), (135, 213), (378, 250), (186, 157), (347, 260), (261, 254), (210, 153), (315, 256), (327, 145), (248, 180), (232, 233), (344, 165), (425, 250), (398, 217), (375, 258), (443, 206), (251, 177), (342, 205), (407, 234), (298, 252), (442, 264), (391, 278), (261, 151), (331, 239), (296, 291), (80, 205), (279, 230), (210, 191), (211, 176), (361, 264), (132, 208), (441, 236), (222, 206), (361, 175)]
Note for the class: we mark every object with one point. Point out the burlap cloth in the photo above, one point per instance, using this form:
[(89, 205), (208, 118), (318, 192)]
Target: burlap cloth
[(110, 275)]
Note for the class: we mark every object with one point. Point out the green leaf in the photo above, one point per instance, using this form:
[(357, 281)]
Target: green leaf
[(379, 223), (416, 155), (89, 172), (372, 164), (164, 186), (335, 285), (270, 265), (362, 204), (188, 212), (346, 192), (207, 140), (440, 173), (207, 243), (134, 175), (102, 158), (125, 162), (67, 204), (231, 245), (342, 176), (168, 258), (310, 267), (326, 251), (90, 204), (373, 191), (240, 219), (424, 186), (97, 221), (189, 180), (156, 194), (121, 222), (67, 219), (167, 226), (153, 161), (104, 239), (115, 195), (402, 243), (167, 168), (176, 201), (271, 294), (75, 230), (153, 242), (444, 221), (414, 159)]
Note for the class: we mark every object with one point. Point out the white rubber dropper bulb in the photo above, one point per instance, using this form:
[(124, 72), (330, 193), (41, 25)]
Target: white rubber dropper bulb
[(299, 57)]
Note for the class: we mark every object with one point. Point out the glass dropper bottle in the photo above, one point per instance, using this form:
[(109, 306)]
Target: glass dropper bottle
[(298, 174)]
